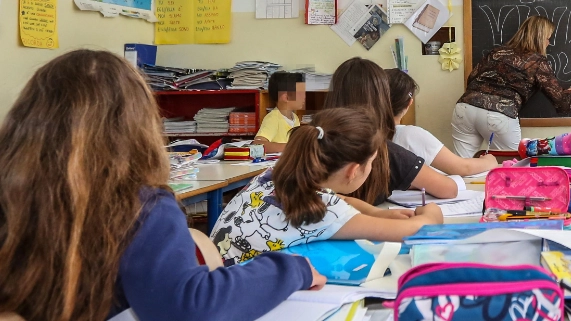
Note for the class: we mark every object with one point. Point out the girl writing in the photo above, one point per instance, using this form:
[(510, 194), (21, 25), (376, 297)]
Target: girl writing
[(297, 202), (422, 142)]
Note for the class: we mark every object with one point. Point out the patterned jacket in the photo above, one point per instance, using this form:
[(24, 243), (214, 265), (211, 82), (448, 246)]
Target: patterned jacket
[(504, 80)]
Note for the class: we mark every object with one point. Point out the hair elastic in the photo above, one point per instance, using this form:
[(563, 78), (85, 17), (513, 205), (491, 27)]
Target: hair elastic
[(321, 132)]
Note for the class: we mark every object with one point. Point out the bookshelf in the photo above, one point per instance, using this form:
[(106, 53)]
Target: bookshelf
[(187, 103), (314, 102)]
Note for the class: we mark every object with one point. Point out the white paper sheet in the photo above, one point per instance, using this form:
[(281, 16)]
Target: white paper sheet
[(111, 8), (414, 198), (277, 9), (400, 10), (348, 20)]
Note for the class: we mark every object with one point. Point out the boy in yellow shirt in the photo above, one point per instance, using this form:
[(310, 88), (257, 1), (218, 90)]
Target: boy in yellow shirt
[(287, 92)]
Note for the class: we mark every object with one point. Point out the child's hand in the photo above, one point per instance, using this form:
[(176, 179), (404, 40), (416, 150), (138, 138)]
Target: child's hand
[(399, 214), (430, 211), (491, 159), (318, 279)]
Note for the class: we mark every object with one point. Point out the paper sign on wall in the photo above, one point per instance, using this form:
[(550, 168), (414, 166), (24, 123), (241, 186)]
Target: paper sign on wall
[(38, 23), (193, 21)]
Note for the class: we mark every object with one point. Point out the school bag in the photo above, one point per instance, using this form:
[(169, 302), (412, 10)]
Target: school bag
[(473, 291)]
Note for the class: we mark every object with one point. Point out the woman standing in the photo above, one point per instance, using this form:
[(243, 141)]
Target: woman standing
[(500, 84)]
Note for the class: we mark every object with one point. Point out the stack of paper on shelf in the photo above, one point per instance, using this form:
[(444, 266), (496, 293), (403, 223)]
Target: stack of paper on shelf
[(314, 81), (171, 78), (213, 120), (251, 74), (179, 126)]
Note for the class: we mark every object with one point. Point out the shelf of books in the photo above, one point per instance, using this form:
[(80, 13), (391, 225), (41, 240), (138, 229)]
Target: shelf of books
[(211, 114)]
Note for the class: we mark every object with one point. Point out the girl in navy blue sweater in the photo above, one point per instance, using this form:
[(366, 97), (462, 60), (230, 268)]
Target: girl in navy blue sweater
[(87, 226)]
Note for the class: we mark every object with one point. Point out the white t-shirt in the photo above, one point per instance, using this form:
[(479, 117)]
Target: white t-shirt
[(253, 222), (419, 141)]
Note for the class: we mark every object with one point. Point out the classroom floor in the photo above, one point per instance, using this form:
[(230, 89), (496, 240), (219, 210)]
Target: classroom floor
[(196, 213)]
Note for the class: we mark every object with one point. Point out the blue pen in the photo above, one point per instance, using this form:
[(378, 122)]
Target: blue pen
[(489, 143)]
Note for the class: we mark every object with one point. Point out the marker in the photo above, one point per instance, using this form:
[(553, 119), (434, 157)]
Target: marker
[(489, 143), (423, 191), (543, 209)]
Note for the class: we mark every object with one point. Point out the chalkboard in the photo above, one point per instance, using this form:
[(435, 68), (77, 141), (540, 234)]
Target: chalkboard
[(492, 23)]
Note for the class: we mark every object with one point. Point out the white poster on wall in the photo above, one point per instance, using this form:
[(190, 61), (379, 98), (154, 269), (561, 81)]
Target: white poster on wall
[(142, 9)]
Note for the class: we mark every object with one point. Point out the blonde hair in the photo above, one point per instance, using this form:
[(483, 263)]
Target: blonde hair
[(531, 35), (76, 150)]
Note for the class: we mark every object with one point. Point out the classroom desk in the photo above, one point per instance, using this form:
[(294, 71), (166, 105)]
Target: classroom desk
[(212, 181)]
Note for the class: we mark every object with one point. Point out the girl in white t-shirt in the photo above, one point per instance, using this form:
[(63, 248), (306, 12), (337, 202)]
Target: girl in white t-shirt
[(423, 143), (296, 202)]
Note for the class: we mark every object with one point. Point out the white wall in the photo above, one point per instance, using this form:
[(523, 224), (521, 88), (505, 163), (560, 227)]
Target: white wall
[(76, 29)]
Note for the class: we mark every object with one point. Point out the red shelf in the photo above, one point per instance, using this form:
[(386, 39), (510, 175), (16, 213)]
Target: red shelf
[(206, 134), (207, 92)]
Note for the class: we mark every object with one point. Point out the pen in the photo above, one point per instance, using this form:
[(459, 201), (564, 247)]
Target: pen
[(423, 192), (476, 183), (399, 204), (489, 143), (523, 198)]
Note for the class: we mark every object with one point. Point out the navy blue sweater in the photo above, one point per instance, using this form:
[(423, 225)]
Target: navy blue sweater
[(159, 276)]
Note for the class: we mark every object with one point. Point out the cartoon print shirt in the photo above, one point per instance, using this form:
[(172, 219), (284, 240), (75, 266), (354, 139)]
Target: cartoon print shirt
[(253, 222)]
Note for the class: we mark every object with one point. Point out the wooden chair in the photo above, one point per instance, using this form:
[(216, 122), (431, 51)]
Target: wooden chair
[(206, 252), (501, 155), (10, 317)]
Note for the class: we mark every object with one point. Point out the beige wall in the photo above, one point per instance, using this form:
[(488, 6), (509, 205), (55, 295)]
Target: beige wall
[(76, 29), (288, 42)]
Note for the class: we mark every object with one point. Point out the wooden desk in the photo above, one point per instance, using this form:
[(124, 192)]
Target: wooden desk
[(225, 171), (212, 180)]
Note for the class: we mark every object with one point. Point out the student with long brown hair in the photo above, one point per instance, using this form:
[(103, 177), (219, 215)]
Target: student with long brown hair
[(364, 84), (501, 84), (296, 202), (87, 226), (422, 142)]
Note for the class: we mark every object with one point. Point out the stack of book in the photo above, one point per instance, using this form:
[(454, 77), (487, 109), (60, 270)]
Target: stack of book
[(171, 78), (306, 119), (251, 74), (179, 126), (213, 120), (242, 122)]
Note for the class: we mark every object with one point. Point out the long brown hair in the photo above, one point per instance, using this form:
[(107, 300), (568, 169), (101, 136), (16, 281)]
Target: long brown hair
[(76, 148), (362, 83), (531, 35), (402, 87), (307, 161)]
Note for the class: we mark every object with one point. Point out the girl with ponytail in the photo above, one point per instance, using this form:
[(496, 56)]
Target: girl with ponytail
[(296, 202)]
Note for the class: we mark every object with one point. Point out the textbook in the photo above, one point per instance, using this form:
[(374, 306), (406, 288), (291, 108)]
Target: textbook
[(179, 187), (318, 305), (559, 264), (427, 18), (342, 262), (448, 233)]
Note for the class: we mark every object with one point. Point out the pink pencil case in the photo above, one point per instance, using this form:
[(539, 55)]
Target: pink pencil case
[(472, 291), (514, 188)]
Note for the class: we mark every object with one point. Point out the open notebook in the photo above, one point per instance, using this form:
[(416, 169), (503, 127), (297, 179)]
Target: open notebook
[(318, 305)]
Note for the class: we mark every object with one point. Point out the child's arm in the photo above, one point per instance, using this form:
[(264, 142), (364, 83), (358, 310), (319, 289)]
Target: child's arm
[(453, 164), (391, 230), (368, 209), (435, 184), (269, 147)]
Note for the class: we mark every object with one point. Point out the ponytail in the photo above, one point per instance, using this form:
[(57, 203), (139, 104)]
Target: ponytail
[(335, 138)]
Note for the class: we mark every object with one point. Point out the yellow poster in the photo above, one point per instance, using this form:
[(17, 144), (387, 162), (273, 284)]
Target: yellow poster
[(38, 23), (193, 21)]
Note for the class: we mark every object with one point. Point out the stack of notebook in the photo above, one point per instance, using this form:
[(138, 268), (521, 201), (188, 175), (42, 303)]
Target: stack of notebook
[(251, 74), (314, 81), (179, 126), (213, 120)]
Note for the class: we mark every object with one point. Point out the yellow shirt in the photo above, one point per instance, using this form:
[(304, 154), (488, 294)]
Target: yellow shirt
[(275, 128)]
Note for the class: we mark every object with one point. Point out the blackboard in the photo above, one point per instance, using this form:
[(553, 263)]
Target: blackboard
[(491, 23)]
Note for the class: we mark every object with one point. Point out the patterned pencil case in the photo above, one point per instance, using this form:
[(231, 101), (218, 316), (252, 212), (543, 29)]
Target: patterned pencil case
[(472, 291), (514, 188)]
